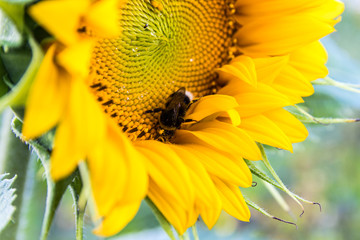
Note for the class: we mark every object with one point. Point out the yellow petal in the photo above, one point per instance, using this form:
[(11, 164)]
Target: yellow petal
[(310, 61), (232, 199), (221, 136), (253, 101), (328, 11), (168, 171), (76, 58), (293, 84), (210, 216), (262, 130), (253, 9), (79, 133), (137, 183), (242, 68), (206, 195), (60, 18), (87, 117), (118, 173), (208, 202), (289, 124), (212, 105), (109, 173), (267, 69), (279, 36), (117, 219), (47, 98), (66, 153), (168, 206), (229, 168), (103, 17)]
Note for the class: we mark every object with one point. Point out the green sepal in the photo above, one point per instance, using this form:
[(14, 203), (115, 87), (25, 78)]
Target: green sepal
[(164, 223), (263, 176), (7, 197), (277, 182), (306, 117), (331, 82), (264, 212)]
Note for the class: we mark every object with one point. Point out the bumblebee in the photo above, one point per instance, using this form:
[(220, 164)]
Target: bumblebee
[(172, 116)]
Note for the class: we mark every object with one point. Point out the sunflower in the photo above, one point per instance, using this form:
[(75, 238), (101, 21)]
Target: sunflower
[(115, 70)]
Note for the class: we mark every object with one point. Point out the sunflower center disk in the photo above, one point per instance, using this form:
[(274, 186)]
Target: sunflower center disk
[(165, 45)]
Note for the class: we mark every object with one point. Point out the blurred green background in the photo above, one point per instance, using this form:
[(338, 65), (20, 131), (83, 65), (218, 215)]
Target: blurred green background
[(325, 168)]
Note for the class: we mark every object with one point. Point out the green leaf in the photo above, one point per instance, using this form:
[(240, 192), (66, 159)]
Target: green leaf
[(14, 11), (17, 96), (9, 34), (7, 197), (19, 1)]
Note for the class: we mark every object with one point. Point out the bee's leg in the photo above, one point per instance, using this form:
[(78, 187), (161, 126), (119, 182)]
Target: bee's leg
[(155, 110), (191, 103), (189, 120)]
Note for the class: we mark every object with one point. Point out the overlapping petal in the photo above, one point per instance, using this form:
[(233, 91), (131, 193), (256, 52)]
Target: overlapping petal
[(217, 135), (47, 98), (168, 172), (268, 26)]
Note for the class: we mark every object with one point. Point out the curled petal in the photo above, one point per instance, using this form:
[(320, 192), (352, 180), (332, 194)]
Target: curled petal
[(118, 218), (212, 106), (242, 68)]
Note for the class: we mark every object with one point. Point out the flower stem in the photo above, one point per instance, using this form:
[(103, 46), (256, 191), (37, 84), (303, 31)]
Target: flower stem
[(79, 225), (14, 159), (195, 233), (55, 192)]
